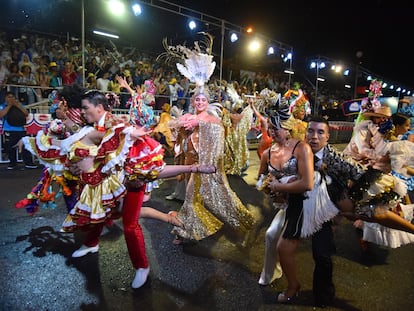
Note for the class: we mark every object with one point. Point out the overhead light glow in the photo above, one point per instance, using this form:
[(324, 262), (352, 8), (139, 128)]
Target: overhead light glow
[(270, 50), (105, 34), (192, 25), (234, 37), (254, 45), (136, 8), (116, 7)]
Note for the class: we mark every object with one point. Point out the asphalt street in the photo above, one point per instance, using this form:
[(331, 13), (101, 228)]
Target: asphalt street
[(219, 273)]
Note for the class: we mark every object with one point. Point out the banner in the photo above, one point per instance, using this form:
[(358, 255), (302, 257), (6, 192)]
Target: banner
[(37, 121), (352, 107)]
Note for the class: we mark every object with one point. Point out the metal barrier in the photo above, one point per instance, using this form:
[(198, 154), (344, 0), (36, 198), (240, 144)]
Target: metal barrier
[(340, 131), (34, 123)]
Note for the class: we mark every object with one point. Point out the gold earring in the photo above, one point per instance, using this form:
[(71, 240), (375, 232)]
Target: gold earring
[(75, 128)]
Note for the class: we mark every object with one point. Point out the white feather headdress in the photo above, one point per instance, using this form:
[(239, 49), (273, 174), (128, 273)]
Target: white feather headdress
[(195, 64)]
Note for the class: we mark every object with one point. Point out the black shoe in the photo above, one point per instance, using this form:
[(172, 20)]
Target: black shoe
[(30, 166), (11, 167), (322, 304)]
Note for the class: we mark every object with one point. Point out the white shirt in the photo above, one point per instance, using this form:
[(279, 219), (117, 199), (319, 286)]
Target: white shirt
[(319, 154)]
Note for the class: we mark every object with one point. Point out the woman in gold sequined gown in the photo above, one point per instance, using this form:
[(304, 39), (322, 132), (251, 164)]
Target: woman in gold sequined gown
[(209, 202), (237, 124)]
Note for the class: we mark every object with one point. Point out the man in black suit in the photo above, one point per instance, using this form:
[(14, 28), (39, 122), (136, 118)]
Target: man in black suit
[(341, 171)]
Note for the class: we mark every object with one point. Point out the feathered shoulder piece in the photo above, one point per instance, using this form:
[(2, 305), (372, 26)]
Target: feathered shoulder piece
[(341, 166), (233, 95), (195, 64)]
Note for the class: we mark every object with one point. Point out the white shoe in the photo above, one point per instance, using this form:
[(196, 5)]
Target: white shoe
[(83, 250), (171, 197), (140, 277)]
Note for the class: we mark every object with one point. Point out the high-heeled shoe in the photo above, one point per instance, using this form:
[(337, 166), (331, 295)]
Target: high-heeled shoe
[(178, 240), (283, 297)]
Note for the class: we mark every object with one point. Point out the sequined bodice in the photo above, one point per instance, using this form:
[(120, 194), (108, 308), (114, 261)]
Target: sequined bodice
[(289, 168)]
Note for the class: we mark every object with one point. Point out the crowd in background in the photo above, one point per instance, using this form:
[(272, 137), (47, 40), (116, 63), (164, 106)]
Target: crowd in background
[(41, 63)]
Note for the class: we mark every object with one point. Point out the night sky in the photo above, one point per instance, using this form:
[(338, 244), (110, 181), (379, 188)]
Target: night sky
[(380, 30)]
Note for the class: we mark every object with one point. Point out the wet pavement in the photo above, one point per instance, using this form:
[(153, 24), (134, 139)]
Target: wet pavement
[(219, 273)]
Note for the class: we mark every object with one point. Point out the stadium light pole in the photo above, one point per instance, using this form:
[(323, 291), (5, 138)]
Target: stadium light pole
[(83, 42), (223, 28)]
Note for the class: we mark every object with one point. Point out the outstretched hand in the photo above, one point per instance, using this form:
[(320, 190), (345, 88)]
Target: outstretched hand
[(19, 145), (189, 122), (122, 81), (140, 131)]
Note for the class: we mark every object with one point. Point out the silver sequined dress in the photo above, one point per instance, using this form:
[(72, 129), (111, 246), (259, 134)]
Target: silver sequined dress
[(210, 202)]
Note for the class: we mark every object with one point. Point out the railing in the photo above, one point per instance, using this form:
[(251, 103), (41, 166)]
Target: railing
[(340, 131)]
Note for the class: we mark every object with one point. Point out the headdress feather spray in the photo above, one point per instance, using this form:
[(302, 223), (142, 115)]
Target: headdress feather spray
[(195, 64)]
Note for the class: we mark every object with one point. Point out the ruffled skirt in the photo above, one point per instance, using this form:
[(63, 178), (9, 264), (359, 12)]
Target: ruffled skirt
[(96, 204)]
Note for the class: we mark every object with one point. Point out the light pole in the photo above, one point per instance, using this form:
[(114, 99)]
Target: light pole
[(356, 81), (316, 87), (290, 69), (83, 43), (223, 28)]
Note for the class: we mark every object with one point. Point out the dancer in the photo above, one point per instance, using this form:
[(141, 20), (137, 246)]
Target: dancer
[(265, 140), (209, 203), (69, 121), (290, 159), (368, 147), (323, 245), (401, 155), (237, 123)]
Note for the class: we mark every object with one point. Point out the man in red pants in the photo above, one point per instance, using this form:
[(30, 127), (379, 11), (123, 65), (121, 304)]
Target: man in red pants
[(96, 109), (132, 232)]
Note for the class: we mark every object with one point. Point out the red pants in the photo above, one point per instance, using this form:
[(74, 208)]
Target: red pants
[(132, 229)]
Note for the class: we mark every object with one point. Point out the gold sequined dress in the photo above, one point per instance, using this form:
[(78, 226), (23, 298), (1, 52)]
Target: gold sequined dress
[(236, 147), (210, 202)]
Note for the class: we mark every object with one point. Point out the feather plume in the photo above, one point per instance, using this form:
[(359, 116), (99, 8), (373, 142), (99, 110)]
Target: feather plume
[(234, 96), (195, 64)]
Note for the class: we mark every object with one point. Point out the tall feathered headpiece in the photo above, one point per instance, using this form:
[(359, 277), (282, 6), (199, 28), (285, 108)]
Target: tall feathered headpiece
[(195, 64)]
